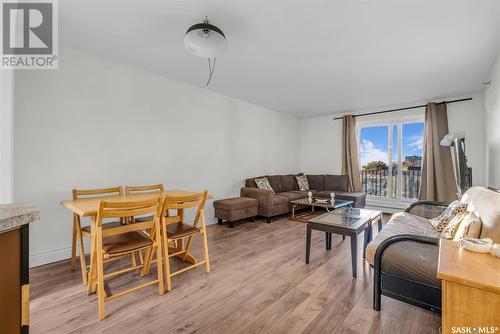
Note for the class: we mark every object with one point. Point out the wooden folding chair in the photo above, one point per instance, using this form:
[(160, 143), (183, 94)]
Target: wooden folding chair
[(155, 188), (80, 232), (144, 189), (129, 190), (123, 240), (173, 229)]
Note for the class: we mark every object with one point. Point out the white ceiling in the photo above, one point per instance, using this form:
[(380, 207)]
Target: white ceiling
[(303, 58)]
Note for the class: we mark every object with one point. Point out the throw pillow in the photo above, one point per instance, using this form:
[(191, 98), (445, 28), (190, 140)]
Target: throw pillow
[(455, 208), (449, 232), (470, 227), (302, 182), (263, 183)]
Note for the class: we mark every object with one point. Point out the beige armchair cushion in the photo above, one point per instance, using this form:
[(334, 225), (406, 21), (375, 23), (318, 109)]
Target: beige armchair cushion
[(401, 223), (470, 227), (485, 203)]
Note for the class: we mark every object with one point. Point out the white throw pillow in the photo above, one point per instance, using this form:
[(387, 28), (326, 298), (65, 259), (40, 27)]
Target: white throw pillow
[(470, 227), (302, 182), (263, 183), (455, 208)]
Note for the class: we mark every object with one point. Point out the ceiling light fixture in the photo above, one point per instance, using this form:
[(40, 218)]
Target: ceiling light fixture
[(205, 40)]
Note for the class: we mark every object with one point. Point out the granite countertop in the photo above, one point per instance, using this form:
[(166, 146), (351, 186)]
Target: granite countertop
[(14, 215)]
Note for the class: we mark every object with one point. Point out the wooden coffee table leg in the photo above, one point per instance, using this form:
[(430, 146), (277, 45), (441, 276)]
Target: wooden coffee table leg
[(293, 211), (354, 254), (308, 243)]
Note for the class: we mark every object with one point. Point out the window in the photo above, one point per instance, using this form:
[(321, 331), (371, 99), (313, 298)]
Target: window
[(391, 156)]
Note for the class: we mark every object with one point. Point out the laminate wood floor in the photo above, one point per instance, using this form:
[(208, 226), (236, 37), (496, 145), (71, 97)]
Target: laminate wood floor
[(259, 284)]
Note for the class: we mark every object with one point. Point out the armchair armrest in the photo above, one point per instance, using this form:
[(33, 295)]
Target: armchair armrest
[(377, 263), (262, 195), (426, 209)]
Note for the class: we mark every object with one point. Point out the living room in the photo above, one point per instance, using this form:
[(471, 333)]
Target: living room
[(303, 110)]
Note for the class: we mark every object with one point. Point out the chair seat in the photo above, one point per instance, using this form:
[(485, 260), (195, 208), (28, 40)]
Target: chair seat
[(144, 218), (179, 230), (104, 226), (125, 242)]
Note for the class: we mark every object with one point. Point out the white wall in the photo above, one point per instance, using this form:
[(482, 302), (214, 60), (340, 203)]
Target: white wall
[(492, 104), (95, 123), (321, 138), (6, 135)]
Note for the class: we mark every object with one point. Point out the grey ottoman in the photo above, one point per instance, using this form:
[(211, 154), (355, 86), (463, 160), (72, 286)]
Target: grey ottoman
[(236, 208)]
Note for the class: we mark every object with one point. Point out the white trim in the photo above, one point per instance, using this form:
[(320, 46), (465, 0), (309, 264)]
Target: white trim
[(53, 255)]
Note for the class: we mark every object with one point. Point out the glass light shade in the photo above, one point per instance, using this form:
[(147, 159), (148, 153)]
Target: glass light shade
[(205, 40)]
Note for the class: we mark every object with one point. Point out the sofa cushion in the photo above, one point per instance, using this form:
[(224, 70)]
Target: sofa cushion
[(316, 182), (293, 195), (336, 182), (263, 183), (275, 181), (289, 183), (484, 203), (401, 223), (279, 200), (303, 193)]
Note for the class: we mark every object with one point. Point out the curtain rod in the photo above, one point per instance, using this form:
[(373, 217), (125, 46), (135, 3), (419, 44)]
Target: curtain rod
[(407, 108)]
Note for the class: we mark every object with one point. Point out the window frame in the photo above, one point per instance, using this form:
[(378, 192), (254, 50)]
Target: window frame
[(389, 120)]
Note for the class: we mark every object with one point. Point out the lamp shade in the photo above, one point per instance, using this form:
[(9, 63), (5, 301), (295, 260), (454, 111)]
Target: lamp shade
[(205, 40)]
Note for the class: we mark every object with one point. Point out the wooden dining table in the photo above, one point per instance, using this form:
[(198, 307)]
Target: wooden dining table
[(88, 207)]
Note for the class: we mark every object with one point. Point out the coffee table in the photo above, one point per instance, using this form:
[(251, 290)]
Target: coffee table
[(346, 221), (316, 202)]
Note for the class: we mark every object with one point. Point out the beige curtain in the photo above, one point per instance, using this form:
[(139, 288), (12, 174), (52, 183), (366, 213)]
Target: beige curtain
[(350, 157), (438, 178)]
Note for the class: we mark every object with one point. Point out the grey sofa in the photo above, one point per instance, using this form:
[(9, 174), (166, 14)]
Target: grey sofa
[(286, 189)]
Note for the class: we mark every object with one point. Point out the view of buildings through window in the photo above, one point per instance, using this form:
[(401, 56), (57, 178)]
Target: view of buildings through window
[(391, 159)]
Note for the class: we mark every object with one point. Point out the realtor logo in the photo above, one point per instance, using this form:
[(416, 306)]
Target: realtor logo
[(29, 34)]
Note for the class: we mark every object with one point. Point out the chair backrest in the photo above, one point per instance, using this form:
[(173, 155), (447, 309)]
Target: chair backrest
[(484, 202), (109, 210), (88, 193), (144, 189), (183, 202)]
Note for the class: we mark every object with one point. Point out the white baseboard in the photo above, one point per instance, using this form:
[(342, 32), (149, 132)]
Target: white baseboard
[(53, 255), (59, 254)]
